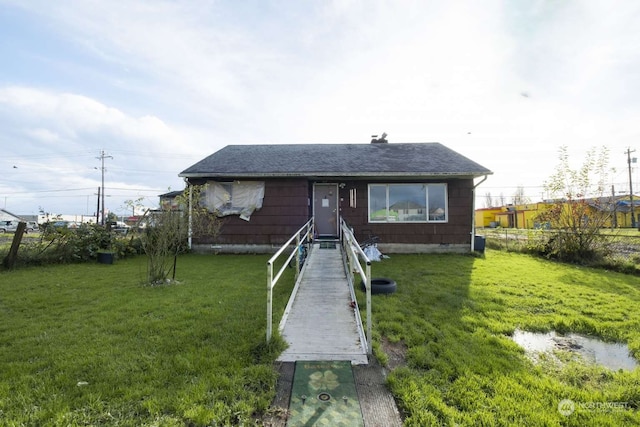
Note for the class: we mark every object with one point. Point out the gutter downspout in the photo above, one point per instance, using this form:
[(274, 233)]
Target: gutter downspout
[(473, 213)]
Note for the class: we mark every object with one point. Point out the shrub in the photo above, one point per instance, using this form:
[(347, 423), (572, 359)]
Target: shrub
[(576, 220), (61, 245)]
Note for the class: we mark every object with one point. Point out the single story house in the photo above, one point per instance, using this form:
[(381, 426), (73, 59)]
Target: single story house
[(169, 201), (415, 197), (5, 215)]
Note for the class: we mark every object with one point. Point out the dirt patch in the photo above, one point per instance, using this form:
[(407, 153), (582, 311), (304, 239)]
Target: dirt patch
[(396, 353)]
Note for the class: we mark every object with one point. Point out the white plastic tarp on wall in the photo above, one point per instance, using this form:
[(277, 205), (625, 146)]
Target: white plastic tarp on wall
[(234, 198)]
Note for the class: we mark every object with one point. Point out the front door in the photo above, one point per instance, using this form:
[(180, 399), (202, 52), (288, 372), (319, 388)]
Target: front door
[(325, 209)]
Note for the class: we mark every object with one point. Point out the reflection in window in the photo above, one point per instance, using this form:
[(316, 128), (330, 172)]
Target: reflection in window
[(437, 202), (377, 203), (407, 203)]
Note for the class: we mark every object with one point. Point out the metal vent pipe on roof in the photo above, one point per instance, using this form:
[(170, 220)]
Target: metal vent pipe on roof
[(381, 140)]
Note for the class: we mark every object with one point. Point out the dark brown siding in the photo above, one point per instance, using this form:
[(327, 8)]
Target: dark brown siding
[(284, 210)]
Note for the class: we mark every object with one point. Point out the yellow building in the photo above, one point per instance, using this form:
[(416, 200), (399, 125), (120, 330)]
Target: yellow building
[(524, 216), (511, 216), (486, 217)]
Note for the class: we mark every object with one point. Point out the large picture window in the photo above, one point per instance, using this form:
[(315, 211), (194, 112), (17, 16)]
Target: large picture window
[(407, 203)]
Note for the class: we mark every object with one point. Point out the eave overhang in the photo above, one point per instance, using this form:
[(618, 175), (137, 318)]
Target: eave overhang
[(336, 175)]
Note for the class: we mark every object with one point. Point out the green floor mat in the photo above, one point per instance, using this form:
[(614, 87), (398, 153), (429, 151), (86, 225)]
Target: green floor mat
[(324, 394)]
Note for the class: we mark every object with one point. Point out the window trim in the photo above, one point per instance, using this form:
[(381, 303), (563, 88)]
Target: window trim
[(387, 186)]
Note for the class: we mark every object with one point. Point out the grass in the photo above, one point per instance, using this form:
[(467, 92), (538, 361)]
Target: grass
[(618, 250), (88, 344), (452, 316)]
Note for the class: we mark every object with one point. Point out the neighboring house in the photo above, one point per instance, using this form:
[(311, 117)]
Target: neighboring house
[(30, 220), (415, 197), (5, 215), (169, 201)]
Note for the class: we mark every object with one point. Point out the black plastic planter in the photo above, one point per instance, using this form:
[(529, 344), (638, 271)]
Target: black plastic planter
[(106, 257)]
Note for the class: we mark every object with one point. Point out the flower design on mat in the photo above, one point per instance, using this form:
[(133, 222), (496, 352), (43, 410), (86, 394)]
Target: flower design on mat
[(326, 380)]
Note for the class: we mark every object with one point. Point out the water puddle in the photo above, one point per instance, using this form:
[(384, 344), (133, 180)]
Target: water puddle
[(611, 355)]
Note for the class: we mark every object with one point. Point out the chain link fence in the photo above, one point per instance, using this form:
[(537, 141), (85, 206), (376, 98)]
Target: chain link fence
[(622, 246)]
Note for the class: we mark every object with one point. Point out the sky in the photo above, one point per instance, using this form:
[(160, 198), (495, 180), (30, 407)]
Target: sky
[(136, 91)]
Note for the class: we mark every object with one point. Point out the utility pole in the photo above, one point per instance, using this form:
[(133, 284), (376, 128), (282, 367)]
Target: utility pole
[(614, 219), (98, 208), (629, 160), (102, 169)]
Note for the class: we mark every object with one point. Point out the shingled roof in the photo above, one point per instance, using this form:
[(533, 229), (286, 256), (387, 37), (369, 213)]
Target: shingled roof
[(336, 160)]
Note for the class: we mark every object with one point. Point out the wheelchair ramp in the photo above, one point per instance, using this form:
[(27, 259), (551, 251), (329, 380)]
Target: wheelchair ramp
[(320, 323)]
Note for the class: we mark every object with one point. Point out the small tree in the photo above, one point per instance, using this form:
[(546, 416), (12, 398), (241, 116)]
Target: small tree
[(166, 231), (488, 202), (519, 198), (579, 211)]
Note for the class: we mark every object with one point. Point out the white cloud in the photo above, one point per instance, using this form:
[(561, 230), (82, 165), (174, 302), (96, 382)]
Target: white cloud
[(73, 116), (189, 77), (62, 136)]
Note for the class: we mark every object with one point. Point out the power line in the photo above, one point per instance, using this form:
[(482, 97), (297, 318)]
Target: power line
[(54, 155), (90, 153)]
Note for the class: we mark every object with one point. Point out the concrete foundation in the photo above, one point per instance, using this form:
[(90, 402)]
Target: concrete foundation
[(385, 248)]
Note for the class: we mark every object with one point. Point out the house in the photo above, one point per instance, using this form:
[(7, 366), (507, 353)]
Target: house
[(169, 201), (5, 215), (415, 197)]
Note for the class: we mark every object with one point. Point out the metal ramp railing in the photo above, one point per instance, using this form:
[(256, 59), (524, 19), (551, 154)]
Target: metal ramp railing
[(356, 261), (301, 237)]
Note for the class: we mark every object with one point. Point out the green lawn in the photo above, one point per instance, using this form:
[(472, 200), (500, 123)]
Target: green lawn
[(451, 318), (88, 344)]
